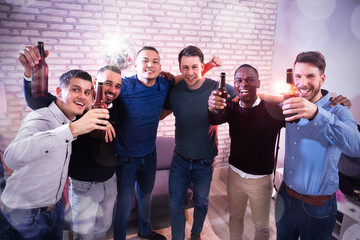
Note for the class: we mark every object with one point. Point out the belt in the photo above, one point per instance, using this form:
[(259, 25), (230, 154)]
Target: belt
[(27, 211), (310, 199), (190, 159)]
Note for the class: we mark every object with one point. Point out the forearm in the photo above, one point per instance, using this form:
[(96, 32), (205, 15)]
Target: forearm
[(35, 103)]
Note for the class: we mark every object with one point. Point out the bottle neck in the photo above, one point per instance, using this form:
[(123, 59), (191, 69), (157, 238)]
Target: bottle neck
[(99, 93), (289, 76), (222, 82)]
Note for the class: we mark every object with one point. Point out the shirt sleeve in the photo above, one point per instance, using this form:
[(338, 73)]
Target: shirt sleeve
[(340, 129), (34, 140), (32, 102)]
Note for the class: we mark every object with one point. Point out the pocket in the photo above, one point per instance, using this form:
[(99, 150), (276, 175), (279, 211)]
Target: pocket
[(124, 160), (22, 223), (318, 212), (79, 186), (208, 162)]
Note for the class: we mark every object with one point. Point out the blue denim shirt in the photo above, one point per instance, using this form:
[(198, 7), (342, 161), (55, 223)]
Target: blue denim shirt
[(313, 148)]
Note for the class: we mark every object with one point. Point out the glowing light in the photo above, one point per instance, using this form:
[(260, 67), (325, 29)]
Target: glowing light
[(118, 51), (355, 20), (317, 10)]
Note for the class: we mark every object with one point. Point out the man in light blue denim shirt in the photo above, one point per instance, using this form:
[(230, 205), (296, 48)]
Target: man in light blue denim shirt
[(306, 203)]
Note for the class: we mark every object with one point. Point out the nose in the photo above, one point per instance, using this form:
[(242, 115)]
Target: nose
[(300, 81)]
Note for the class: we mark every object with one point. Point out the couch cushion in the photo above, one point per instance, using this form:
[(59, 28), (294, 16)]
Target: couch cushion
[(164, 148)]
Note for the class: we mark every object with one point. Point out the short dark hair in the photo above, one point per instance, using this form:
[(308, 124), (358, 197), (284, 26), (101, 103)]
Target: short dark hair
[(147, 48), (313, 57), (248, 66), (74, 73), (191, 51), (112, 68)]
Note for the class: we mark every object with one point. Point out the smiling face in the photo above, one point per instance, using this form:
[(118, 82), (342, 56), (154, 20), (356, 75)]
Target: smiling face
[(191, 69), (246, 83), (147, 65), (112, 84), (74, 97), (308, 80)]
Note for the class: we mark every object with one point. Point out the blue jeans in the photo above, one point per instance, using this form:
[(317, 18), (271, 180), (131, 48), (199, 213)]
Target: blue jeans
[(182, 172), (295, 218), (131, 170), (21, 224)]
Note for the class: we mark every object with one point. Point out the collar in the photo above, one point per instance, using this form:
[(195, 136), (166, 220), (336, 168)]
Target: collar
[(256, 103), (58, 114)]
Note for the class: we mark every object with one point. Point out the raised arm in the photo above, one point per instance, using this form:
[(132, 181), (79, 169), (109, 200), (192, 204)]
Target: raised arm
[(28, 58), (214, 62)]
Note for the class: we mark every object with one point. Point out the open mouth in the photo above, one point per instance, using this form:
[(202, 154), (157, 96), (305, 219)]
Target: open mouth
[(304, 91), (244, 91), (81, 104), (109, 95)]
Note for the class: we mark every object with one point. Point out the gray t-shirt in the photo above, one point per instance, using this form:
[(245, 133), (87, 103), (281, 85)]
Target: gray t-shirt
[(194, 136)]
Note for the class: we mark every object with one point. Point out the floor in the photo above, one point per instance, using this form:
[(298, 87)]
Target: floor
[(216, 225)]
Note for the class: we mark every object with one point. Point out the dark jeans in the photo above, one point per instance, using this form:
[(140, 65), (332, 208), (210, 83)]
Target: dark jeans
[(295, 218), (23, 224), (131, 170), (182, 172)]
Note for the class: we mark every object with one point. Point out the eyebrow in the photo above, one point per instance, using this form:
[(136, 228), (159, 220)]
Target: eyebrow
[(107, 80), (75, 85)]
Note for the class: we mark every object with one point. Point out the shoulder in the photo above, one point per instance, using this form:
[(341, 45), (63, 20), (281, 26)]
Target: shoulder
[(210, 83)]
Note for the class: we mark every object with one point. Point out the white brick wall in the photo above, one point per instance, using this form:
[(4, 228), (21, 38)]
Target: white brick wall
[(238, 31)]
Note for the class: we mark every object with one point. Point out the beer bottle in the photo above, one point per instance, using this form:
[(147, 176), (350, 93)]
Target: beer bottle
[(99, 103), (223, 92), (39, 75), (222, 88), (291, 91)]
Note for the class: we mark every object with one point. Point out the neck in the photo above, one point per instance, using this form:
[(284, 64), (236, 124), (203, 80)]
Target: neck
[(60, 105), (248, 104), (148, 82)]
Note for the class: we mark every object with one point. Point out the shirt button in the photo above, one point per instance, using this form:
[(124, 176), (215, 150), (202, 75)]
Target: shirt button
[(67, 141), (292, 158), (298, 128), (290, 172), (46, 151), (315, 124), (295, 143), (331, 137)]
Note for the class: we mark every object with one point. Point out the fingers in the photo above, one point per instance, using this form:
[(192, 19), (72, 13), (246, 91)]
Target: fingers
[(216, 61), (340, 100), (215, 101)]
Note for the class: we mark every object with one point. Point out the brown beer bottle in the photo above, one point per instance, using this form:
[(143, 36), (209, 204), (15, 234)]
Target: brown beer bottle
[(39, 75), (222, 90), (292, 91), (99, 103)]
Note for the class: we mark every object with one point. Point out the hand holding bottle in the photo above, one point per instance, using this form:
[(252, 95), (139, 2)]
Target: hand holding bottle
[(295, 108), (216, 101), (94, 119), (29, 58)]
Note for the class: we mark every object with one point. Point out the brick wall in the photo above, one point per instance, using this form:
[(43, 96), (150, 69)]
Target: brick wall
[(75, 31)]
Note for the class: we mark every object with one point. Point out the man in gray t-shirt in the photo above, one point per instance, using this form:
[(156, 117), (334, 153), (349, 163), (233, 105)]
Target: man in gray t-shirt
[(195, 139)]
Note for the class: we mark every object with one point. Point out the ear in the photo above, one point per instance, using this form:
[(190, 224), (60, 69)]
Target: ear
[(258, 84), (59, 92), (322, 79)]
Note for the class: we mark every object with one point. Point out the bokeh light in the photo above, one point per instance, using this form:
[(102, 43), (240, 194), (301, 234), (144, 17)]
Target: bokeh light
[(355, 22)]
